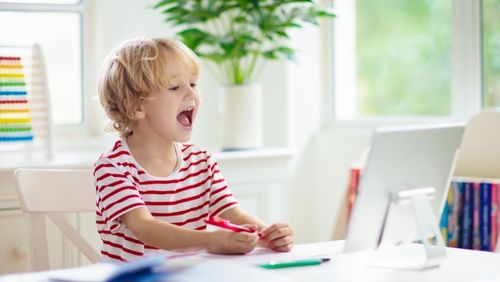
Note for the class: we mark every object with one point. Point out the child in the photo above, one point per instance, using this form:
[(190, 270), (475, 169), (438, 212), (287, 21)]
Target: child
[(153, 191)]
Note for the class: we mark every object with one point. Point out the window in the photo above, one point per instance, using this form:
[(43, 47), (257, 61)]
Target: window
[(491, 52), (42, 1), (415, 59), (57, 26)]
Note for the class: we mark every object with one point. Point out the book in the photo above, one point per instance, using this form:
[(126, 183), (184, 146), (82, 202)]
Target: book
[(352, 188), (455, 214), (485, 216), (465, 239), (443, 224), (494, 215), (476, 219)]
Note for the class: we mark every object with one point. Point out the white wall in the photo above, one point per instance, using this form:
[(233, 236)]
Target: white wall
[(294, 97), (319, 173), (109, 22)]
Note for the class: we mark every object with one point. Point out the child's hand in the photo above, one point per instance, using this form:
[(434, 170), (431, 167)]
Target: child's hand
[(278, 237), (229, 242)]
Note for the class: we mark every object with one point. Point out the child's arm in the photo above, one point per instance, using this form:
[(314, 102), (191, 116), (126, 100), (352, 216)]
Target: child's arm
[(278, 236), (168, 236)]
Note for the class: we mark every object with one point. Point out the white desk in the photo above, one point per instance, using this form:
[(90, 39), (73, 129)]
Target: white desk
[(459, 265)]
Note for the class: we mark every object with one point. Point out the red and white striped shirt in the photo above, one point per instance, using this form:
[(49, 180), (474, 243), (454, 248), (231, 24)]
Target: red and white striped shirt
[(195, 190)]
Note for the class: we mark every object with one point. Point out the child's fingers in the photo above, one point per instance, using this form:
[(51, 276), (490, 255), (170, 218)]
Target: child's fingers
[(286, 248), (278, 237), (244, 249), (229, 242), (280, 242), (273, 228), (276, 232), (245, 242), (245, 237)]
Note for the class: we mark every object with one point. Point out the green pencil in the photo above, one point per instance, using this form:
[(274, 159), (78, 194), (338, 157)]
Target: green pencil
[(293, 263)]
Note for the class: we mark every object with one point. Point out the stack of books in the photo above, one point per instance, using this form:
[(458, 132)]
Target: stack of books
[(470, 217)]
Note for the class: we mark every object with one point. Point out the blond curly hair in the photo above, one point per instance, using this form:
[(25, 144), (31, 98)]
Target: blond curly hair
[(134, 71)]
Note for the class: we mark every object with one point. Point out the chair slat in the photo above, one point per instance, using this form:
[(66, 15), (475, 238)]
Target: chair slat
[(52, 193)]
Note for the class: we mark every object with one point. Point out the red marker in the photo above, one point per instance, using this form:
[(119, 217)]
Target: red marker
[(226, 224)]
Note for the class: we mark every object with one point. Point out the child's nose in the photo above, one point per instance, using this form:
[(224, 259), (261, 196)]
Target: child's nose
[(192, 91)]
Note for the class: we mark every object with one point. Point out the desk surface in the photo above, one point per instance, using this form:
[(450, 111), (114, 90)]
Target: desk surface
[(459, 265)]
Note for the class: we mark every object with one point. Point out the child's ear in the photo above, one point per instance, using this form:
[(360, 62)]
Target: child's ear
[(138, 112)]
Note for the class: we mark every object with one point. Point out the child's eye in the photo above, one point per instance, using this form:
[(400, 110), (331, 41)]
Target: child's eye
[(194, 85), (173, 88)]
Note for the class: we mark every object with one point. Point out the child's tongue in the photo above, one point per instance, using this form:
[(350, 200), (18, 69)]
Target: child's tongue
[(183, 119)]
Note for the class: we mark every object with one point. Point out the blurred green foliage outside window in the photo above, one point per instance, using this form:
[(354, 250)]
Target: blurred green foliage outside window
[(491, 52), (403, 57)]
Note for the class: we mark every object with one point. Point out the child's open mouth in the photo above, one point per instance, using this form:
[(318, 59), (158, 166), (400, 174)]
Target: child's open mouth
[(186, 117)]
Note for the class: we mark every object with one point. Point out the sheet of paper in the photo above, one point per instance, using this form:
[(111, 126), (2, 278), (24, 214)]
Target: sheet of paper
[(91, 273), (263, 255), (225, 271)]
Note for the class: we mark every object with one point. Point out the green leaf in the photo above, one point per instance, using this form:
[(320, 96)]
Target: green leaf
[(281, 51), (325, 13), (289, 53), (271, 55), (193, 37), (282, 34), (240, 19), (163, 3), (215, 57), (172, 10)]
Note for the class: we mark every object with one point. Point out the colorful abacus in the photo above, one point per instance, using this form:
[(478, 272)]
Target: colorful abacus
[(15, 120)]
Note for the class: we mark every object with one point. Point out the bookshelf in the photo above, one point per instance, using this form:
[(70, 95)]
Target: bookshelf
[(477, 175)]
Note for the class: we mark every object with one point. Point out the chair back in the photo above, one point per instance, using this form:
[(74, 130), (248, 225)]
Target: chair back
[(52, 193), (479, 154)]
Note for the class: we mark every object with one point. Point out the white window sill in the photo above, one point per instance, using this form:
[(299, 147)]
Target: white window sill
[(79, 152)]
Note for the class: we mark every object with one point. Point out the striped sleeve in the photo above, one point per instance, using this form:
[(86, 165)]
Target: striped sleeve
[(117, 194), (221, 197)]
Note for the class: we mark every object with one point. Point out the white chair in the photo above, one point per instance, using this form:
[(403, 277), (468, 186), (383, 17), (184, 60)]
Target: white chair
[(52, 193), (479, 154)]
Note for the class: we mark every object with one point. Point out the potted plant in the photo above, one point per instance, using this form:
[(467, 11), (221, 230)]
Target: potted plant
[(236, 37)]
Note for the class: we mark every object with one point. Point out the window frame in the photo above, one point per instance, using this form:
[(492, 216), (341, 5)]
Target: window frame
[(465, 68)]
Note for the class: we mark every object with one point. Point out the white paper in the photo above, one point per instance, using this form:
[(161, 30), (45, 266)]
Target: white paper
[(92, 273)]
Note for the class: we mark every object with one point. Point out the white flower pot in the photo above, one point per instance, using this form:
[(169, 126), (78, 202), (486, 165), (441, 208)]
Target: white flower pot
[(240, 117)]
